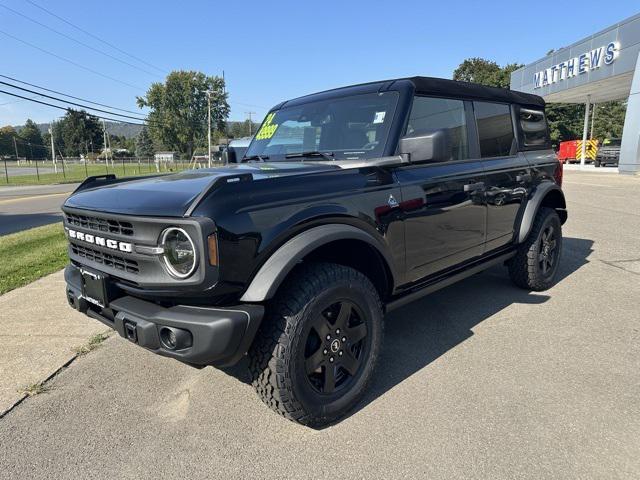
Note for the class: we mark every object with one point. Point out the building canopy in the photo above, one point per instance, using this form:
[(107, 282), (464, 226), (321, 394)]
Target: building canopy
[(599, 67)]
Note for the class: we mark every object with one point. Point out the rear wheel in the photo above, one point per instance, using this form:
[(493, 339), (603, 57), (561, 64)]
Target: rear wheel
[(598, 163), (536, 262), (317, 348)]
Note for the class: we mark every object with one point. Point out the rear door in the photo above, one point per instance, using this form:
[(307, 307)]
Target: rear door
[(507, 172), (442, 202)]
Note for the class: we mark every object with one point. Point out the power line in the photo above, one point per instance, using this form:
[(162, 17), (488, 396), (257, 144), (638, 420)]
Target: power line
[(70, 103), (24, 141), (14, 101), (66, 108), (78, 41), (95, 36), (145, 120), (67, 95), (70, 61)]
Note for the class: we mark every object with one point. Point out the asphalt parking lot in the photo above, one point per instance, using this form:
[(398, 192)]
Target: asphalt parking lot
[(479, 380)]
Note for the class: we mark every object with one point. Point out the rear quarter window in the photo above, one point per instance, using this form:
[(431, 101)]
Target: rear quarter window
[(534, 131)]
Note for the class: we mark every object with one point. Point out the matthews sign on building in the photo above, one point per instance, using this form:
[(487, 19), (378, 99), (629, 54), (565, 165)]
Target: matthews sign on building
[(576, 66), (599, 68)]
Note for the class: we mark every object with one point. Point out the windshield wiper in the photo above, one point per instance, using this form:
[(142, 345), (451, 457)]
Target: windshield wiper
[(261, 158), (313, 153)]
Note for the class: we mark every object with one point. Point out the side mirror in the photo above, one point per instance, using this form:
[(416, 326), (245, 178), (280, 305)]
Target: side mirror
[(431, 146)]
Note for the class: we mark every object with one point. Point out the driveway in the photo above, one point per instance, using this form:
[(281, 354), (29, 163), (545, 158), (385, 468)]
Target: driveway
[(479, 380)]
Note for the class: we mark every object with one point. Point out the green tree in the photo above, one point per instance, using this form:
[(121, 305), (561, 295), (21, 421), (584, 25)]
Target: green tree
[(241, 129), (144, 144), (609, 120), (32, 141), (76, 132), (178, 116), (486, 72), (566, 121), (7, 135)]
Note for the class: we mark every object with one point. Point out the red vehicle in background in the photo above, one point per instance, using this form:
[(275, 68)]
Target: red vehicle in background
[(571, 151)]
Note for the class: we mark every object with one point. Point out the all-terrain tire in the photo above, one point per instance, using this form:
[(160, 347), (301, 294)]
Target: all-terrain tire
[(277, 357), (526, 268)]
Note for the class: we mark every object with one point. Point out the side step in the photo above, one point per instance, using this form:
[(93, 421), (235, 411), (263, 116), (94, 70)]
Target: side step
[(437, 284)]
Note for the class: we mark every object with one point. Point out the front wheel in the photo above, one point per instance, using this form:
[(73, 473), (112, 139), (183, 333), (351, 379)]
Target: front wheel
[(316, 350), (536, 261)]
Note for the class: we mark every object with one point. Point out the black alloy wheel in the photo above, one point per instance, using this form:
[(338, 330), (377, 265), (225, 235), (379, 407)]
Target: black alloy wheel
[(547, 250), (335, 346)]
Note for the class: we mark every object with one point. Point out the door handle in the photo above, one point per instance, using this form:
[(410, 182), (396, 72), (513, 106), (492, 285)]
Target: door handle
[(525, 177), (472, 187)]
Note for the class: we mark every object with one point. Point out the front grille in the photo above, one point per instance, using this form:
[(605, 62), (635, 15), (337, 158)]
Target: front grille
[(108, 259), (100, 224)]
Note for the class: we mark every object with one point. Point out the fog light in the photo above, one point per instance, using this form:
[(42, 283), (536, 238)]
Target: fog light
[(175, 338)]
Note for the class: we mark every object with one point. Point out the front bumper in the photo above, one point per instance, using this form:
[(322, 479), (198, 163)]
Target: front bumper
[(219, 336)]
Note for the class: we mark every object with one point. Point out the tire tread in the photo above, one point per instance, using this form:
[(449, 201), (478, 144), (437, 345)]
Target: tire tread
[(268, 357)]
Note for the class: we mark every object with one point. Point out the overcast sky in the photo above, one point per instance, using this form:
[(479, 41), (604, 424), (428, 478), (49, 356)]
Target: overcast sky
[(271, 50)]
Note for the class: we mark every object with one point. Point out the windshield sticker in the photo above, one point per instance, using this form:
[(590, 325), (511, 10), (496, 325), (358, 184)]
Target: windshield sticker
[(379, 118), (268, 129)]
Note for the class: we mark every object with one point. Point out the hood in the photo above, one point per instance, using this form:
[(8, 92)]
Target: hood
[(171, 195)]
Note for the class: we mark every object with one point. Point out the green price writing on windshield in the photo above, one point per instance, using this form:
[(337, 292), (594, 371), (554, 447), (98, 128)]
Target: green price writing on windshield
[(268, 129)]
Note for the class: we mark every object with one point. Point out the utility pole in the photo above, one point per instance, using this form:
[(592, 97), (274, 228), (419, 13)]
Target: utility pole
[(585, 131), (209, 126), (593, 120), (250, 122), (15, 145), (104, 136), (53, 151)]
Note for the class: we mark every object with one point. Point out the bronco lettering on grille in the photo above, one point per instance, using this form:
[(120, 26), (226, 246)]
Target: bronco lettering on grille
[(100, 241)]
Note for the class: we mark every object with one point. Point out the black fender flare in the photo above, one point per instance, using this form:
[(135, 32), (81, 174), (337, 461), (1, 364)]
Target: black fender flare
[(273, 272), (533, 205)]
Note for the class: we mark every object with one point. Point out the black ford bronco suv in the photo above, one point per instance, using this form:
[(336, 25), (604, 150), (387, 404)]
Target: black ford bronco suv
[(347, 204)]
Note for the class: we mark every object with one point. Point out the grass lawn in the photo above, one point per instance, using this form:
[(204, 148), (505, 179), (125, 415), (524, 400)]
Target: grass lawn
[(31, 254), (77, 173)]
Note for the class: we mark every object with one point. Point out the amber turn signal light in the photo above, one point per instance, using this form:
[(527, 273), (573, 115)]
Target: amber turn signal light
[(212, 242)]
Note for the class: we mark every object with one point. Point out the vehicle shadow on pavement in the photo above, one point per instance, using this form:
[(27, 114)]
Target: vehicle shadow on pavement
[(421, 332)]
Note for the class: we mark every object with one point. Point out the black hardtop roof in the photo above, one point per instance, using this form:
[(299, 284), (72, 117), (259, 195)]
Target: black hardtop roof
[(430, 86), (454, 88)]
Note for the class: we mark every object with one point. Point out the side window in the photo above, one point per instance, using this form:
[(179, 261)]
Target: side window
[(495, 130), (429, 114), (533, 125)]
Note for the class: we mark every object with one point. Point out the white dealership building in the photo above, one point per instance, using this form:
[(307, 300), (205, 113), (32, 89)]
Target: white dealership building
[(602, 67)]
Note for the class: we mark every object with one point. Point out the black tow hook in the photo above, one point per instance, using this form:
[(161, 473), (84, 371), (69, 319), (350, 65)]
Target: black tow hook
[(130, 331)]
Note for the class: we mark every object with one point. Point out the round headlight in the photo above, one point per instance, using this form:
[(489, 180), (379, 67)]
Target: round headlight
[(179, 252)]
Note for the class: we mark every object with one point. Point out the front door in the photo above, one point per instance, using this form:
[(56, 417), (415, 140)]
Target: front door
[(442, 202)]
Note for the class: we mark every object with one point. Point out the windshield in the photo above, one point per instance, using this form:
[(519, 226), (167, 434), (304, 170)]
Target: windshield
[(354, 127), (612, 142)]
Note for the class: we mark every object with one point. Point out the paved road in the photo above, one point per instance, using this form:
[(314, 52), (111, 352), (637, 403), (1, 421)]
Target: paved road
[(27, 207), (479, 380)]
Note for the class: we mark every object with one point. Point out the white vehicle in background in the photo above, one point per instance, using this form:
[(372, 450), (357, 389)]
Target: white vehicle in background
[(235, 150)]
